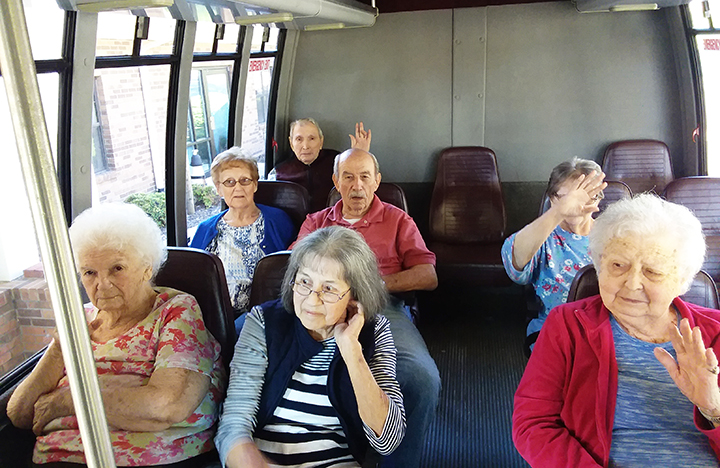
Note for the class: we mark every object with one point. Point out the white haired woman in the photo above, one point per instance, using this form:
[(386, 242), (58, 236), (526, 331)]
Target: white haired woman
[(313, 377), (160, 371), (630, 377), (246, 231), (549, 251)]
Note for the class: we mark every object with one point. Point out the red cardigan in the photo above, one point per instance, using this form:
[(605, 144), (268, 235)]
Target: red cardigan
[(565, 403)]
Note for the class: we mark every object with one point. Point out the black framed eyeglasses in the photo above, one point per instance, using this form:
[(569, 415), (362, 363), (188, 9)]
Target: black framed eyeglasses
[(327, 297), (230, 183)]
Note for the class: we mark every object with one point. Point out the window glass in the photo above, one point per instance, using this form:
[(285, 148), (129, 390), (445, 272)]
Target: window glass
[(228, 44), (132, 112), (699, 14), (709, 52), (26, 316), (45, 21), (257, 98), (207, 135), (116, 30), (204, 36), (258, 37), (272, 43), (161, 35)]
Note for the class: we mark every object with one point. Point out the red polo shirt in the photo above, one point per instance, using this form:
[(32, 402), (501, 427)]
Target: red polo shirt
[(391, 234)]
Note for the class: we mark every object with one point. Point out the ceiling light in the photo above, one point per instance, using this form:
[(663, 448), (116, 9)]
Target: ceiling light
[(270, 18), (106, 5), (324, 27)]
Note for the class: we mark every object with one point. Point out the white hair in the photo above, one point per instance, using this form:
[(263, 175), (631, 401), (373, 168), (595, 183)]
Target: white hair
[(120, 226), (650, 217)]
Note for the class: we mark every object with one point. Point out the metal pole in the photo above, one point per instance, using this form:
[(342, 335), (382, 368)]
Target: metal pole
[(20, 77)]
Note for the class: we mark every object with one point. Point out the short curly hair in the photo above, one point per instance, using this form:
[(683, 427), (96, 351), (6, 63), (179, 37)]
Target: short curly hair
[(233, 157)]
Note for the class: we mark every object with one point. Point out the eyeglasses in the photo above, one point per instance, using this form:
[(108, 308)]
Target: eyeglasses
[(327, 297), (230, 183)]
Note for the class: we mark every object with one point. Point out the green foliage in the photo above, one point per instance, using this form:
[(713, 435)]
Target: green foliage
[(151, 203), (204, 195)]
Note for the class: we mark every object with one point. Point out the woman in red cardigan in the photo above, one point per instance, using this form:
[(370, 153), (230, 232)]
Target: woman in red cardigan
[(630, 377)]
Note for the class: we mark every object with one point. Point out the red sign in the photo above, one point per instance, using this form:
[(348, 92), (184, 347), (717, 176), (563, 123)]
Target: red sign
[(711, 44), (260, 65)]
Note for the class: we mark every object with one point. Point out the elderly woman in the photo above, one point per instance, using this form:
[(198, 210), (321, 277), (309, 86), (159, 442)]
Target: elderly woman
[(549, 251), (628, 378), (245, 232), (160, 371), (313, 377), (312, 166)]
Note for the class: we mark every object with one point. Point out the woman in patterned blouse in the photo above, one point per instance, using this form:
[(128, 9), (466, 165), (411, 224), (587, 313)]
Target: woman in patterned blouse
[(313, 376), (160, 371), (245, 232)]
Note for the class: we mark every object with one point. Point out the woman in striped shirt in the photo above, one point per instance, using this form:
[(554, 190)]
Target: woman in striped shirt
[(312, 381)]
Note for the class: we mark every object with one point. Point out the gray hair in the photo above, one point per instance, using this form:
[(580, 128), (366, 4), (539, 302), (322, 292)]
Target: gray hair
[(648, 216), (122, 227), (233, 157), (344, 155), (358, 262), (305, 121), (569, 170)]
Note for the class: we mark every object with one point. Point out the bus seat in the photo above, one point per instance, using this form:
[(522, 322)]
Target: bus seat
[(288, 196), (614, 191), (467, 217), (267, 280), (386, 191), (702, 292), (202, 274), (702, 196), (644, 165)]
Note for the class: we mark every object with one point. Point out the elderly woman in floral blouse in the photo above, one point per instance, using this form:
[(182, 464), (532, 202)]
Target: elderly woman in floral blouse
[(159, 368)]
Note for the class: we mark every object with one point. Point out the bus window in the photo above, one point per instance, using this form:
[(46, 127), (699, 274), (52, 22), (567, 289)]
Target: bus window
[(26, 315), (257, 97), (706, 31)]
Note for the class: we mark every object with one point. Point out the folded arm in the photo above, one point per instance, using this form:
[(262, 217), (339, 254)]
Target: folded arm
[(417, 278), (169, 397)]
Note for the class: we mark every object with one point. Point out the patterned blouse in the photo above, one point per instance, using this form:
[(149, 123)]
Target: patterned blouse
[(240, 251), (551, 271), (173, 335)]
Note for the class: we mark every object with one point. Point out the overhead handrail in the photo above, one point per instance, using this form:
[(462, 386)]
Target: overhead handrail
[(21, 86)]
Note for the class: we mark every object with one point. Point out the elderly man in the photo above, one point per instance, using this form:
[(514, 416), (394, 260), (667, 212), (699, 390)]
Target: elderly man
[(406, 265), (312, 165)]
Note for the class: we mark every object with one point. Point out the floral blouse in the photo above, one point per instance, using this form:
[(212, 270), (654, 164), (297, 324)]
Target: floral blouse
[(173, 335)]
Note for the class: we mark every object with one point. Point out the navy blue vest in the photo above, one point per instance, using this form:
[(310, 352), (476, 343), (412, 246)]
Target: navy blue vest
[(289, 345)]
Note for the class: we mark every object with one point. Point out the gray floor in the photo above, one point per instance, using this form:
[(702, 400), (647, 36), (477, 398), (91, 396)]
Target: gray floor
[(480, 359)]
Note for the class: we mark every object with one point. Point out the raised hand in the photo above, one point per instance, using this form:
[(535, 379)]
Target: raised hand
[(361, 139), (696, 370), (582, 196)]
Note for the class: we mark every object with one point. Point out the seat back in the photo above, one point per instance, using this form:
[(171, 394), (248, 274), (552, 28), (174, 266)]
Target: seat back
[(702, 196), (644, 165), (202, 274), (702, 292), (467, 203), (614, 191), (288, 196), (267, 280), (386, 191)]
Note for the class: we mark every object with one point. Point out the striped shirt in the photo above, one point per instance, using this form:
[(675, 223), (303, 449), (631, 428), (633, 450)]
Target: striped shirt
[(305, 430)]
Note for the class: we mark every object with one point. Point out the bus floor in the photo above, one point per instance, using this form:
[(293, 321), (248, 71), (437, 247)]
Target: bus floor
[(477, 343)]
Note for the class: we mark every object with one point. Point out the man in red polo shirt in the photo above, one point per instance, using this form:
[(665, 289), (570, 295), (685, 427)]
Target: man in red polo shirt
[(406, 265)]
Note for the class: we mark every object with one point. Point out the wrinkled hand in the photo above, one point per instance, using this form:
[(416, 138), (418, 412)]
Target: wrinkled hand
[(50, 406), (695, 371), (361, 139), (580, 200), (347, 332)]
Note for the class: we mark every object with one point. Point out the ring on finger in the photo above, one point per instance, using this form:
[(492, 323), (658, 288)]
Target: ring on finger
[(715, 370)]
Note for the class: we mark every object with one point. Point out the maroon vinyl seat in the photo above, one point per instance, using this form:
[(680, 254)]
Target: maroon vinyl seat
[(702, 196), (202, 274), (288, 196), (267, 280), (644, 165), (386, 191), (702, 292), (467, 218)]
